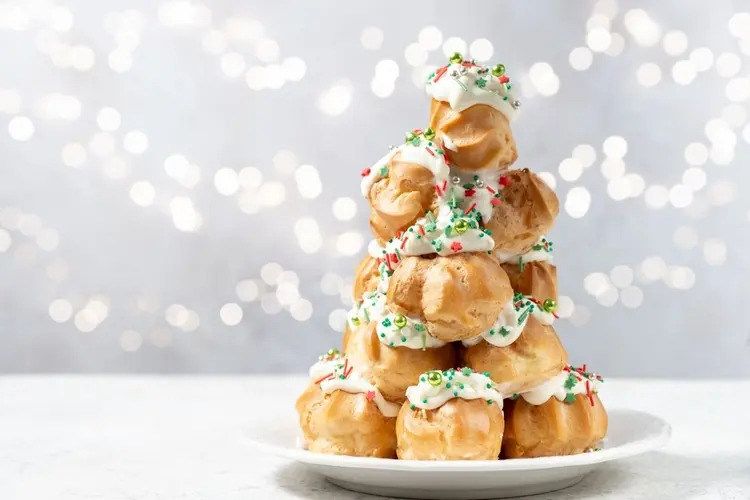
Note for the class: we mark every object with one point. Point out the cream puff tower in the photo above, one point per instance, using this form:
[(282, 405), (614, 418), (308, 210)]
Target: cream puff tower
[(450, 351)]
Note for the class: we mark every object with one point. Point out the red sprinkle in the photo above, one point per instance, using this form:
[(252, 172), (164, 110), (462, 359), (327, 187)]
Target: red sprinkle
[(346, 365), (469, 192), (445, 158), (504, 79), (370, 395), (456, 246), (495, 202), (504, 180), (403, 243), (327, 377), (348, 372), (430, 151), (421, 230), (490, 190), (468, 210), (589, 393), (439, 74), (437, 190), (365, 172), (416, 131), (445, 185)]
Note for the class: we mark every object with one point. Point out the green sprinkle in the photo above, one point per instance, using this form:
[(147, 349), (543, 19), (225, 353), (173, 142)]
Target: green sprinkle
[(570, 398), (455, 393), (489, 401), (448, 385), (466, 371), (424, 401), (411, 407)]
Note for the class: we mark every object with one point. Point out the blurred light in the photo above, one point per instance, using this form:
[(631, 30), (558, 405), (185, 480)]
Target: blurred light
[(47, 239), (230, 314), (656, 196), (21, 128), (454, 44), (580, 315), (344, 208), (59, 106), (270, 272), (308, 181), (721, 193), (565, 306), (10, 101), (301, 310), (430, 37), (606, 7), (585, 154), (415, 54), (653, 268), (739, 24), (702, 58), (255, 78), (120, 60), (10, 217), (746, 133), (382, 88), (108, 119), (387, 70), (142, 193), (618, 189), (680, 196), (598, 39), (293, 69), (621, 276), (183, 14), (696, 153), (349, 243), (102, 144), (580, 58), (597, 21), (694, 178), (287, 294), (115, 167), (247, 290), (612, 168), (734, 114), (548, 178), (308, 235), (419, 75), (130, 341), (287, 277), (682, 278), (284, 161), (685, 237), (608, 297), (232, 64), (683, 72), (243, 30), (60, 310), (637, 184), (648, 74), (642, 28), (543, 78), (738, 89), (631, 297), (330, 283), (82, 58), (271, 194), (615, 147), (577, 202), (270, 304), (371, 38), (226, 181), (274, 76), (595, 283), (267, 50), (336, 99), (73, 154), (480, 49), (135, 142), (570, 169), (161, 337), (714, 251), (184, 216), (675, 42), (616, 45), (214, 42), (5, 240), (337, 319), (29, 224), (250, 178), (176, 315), (728, 64)]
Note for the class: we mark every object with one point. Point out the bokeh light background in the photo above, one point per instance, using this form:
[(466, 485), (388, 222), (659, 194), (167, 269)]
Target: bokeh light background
[(179, 180)]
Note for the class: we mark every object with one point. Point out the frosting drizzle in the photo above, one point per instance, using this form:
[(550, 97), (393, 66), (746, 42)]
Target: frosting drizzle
[(565, 386), (435, 388)]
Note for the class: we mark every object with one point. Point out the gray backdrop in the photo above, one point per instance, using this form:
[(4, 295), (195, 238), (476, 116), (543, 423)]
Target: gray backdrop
[(179, 185)]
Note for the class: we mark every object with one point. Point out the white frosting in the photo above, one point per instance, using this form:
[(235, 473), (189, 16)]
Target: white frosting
[(413, 334), (463, 85), (564, 386), (371, 308), (337, 375), (512, 321), (464, 384), (420, 151), (448, 142), (541, 251), (480, 189)]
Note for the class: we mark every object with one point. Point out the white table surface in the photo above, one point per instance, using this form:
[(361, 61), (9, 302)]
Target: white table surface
[(177, 438)]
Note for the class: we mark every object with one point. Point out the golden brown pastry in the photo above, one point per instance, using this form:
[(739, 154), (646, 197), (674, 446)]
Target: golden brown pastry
[(342, 414), (393, 369), (451, 415), (401, 187), (479, 137), (536, 278), (458, 297), (470, 111), (564, 416), (527, 212), (366, 276), (521, 349)]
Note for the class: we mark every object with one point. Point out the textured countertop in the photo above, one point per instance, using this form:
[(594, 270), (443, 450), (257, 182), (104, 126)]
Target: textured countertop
[(177, 438)]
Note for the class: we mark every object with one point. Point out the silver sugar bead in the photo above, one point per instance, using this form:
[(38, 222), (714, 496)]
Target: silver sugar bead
[(390, 148), (454, 73), (516, 104), (480, 183), (464, 69), (456, 180)]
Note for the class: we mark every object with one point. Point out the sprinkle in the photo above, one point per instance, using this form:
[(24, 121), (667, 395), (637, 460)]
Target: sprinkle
[(470, 208), (421, 230), (489, 401), (455, 79), (504, 180), (370, 395), (490, 189), (456, 246), (411, 407), (348, 372), (504, 79), (365, 172), (430, 151), (327, 377), (397, 252), (495, 202), (589, 393), (437, 190), (440, 72), (466, 371), (403, 243), (445, 185)]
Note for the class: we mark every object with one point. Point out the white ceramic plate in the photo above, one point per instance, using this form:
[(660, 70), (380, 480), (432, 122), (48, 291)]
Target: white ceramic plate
[(630, 433)]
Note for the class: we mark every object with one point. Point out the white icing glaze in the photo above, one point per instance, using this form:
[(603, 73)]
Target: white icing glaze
[(342, 377), (464, 384), (541, 251), (463, 85), (448, 142), (413, 334), (371, 308), (564, 386), (480, 189), (512, 321), (419, 150)]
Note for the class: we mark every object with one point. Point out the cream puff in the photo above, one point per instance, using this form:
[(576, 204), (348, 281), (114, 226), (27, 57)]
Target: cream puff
[(531, 272), (342, 414), (521, 349), (561, 416), (395, 363), (471, 110), (451, 415), (527, 212), (457, 297)]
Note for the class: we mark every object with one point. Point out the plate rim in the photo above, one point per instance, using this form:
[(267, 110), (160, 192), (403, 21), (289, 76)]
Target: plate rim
[(625, 450)]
